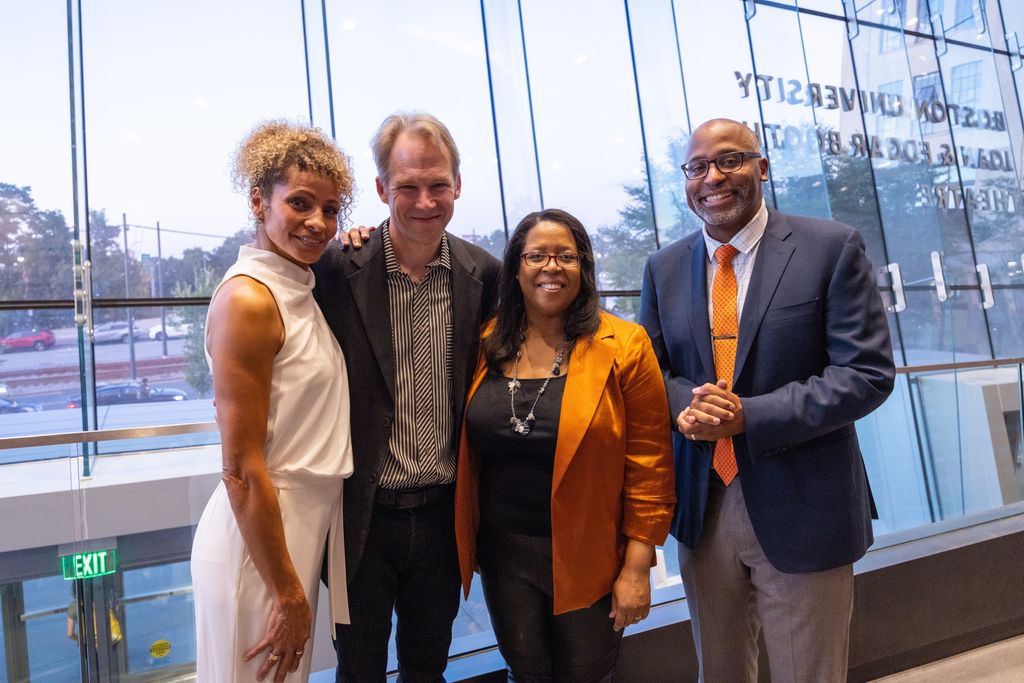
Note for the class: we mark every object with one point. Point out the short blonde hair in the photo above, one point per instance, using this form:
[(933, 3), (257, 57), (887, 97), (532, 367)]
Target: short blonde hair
[(415, 123), (267, 154)]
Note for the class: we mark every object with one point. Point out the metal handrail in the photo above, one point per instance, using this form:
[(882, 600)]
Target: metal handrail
[(157, 595), (202, 427), (966, 365), (107, 435)]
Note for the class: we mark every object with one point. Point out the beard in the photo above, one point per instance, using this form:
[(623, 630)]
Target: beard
[(726, 214)]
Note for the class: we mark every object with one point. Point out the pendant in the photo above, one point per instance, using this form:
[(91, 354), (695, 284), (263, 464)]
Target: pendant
[(513, 384), (522, 427)]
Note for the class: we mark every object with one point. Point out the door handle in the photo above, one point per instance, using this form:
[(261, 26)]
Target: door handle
[(987, 300), (899, 300), (939, 276)]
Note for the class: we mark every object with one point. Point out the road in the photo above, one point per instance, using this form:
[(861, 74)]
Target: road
[(64, 354), (50, 376)]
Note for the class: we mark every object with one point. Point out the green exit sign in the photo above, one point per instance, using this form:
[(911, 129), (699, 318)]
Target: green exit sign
[(88, 565)]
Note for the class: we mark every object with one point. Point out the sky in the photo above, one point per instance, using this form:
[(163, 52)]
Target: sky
[(170, 89)]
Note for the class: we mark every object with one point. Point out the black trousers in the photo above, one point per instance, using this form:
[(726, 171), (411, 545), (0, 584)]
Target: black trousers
[(575, 647), (410, 565)]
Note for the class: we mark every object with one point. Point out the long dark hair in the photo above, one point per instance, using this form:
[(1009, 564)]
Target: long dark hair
[(583, 316)]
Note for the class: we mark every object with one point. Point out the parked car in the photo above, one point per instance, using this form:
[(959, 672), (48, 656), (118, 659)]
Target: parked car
[(128, 392), (175, 329), (28, 339), (115, 332), (9, 406)]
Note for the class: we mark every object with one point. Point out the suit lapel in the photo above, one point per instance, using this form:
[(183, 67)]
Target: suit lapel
[(699, 325), (589, 366), (772, 259), (466, 292), (369, 283)]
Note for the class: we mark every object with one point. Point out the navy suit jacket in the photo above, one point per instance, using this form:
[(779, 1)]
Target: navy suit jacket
[(352, 291), (813, 356)]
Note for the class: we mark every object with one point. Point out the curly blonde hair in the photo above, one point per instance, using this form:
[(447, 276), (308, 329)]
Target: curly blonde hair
[(273, 148)]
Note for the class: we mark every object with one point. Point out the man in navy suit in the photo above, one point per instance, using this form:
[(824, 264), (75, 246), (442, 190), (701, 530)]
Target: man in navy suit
[(773, 340)]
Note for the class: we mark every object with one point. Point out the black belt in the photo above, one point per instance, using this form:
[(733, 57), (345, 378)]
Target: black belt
[(404, 499)]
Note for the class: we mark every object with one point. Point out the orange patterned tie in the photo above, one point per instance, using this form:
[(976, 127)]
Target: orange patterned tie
[(724, 334)]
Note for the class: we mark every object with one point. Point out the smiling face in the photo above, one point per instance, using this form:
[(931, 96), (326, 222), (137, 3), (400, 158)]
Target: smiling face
[(548, 291), (420, 189), (299, 218), (725, 201)]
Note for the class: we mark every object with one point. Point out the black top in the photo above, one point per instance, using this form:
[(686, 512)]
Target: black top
[(515, 469)]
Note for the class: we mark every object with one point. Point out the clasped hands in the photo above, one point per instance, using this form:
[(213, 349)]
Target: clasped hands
[(714, 413)]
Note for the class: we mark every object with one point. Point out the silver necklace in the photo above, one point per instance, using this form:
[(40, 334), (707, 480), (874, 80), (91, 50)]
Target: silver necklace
[(525, 426)]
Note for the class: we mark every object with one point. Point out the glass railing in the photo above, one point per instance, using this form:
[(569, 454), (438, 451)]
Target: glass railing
[(100, 531)]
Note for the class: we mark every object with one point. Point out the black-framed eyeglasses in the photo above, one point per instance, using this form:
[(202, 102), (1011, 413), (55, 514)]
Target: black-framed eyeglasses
[(730, 162), (538, 259)]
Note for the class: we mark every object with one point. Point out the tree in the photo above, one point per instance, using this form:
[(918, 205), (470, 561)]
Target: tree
[(225, 254), (621, 249), (35, 258), (197, 373)]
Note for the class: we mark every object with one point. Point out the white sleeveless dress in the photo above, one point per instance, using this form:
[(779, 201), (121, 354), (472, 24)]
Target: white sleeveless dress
[(308, 452)]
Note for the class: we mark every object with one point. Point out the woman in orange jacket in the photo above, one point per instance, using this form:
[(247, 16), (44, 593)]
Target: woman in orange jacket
[(565, 475)]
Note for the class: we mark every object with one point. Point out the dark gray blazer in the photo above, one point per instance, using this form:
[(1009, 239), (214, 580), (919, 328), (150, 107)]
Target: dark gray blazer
[(814, 355), (352, 291)]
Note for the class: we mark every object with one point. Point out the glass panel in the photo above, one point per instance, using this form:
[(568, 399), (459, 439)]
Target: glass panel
[(964, 23), (159, 618), (975, 81), (35, 164), (427, 47), (721, 87), (513, 115), (39, 368), (899, 484), (975, 453), (1013, 17), (623, 306), (596, 172), (3, 639), (789, 126), (915, 172), (161, 125), (52, 629), (834, 7), (142, 379), (662, 97), (849, 178)]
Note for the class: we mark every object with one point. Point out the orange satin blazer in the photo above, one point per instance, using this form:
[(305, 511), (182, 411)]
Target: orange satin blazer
[(613, 475)]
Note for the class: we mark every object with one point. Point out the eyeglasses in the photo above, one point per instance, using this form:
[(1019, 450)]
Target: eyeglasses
[(538, 259), (730, 162)]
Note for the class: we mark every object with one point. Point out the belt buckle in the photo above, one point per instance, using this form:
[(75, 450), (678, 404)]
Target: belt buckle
[(409, 501)]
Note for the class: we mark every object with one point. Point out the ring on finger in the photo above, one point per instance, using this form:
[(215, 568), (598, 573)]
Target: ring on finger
[(274, 657)]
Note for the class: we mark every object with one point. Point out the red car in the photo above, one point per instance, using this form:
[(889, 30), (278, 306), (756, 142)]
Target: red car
[(28, 339)]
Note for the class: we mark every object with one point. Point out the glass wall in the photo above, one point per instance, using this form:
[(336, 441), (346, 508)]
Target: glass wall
[(902, 119)]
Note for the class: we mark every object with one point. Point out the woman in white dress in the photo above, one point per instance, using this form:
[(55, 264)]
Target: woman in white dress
[(281, 393)]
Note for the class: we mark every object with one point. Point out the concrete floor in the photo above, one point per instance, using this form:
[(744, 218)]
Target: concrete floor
[(1001, 662)]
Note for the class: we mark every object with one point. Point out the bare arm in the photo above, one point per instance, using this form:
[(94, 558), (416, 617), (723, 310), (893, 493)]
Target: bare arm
[(244, 334)]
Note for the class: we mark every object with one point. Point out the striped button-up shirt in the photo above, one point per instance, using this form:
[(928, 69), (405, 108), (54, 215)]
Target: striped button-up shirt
[(421, 450)]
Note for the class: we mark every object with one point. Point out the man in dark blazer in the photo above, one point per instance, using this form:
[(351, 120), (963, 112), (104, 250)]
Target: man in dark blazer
[(407, 308), (768, 538)]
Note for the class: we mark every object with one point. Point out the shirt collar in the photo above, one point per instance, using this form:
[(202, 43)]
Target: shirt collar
[(391, 261), (748, 236)]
